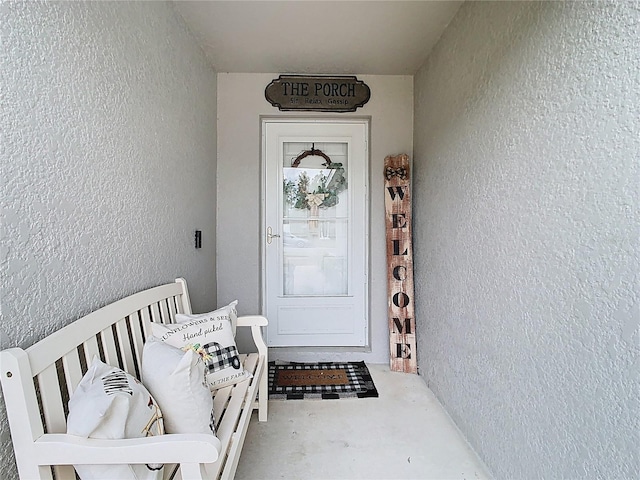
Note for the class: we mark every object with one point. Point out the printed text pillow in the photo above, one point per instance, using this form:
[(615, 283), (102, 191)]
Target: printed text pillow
[(211, 335), (227, 309)]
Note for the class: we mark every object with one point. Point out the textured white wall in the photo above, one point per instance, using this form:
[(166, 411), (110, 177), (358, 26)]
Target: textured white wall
[(527, 191), (240, 103), (108, 163)]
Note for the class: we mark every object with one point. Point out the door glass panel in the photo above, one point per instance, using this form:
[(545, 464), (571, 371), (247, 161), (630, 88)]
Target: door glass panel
[(315, 219)]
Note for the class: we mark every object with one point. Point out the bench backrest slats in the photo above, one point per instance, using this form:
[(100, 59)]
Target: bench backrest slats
[(183, 302), (46, 352), (64, 472), (91, 350), (172, 307), (109, 346), (52, 401), (72, 369), (145, 316), (124, 345), (137, 338), (164, 312), (155, 313)]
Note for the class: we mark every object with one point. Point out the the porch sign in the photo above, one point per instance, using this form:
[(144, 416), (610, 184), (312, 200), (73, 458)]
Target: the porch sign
[(397, 205), (317, 93)]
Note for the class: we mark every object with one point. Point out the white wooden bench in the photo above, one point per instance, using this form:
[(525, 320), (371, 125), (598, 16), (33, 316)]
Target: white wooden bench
[(38, 381)]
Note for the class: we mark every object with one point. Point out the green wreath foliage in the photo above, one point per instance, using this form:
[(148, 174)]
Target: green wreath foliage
[(295, 193)]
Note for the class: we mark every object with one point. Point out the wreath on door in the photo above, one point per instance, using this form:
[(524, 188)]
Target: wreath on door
[(328, 185)]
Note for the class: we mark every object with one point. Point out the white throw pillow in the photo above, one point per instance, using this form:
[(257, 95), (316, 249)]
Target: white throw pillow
[(111, 404), (176, 380), (230, 309), (211, 332)]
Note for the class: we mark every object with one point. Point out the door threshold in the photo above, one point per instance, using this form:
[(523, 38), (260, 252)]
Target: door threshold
[(285, 350)]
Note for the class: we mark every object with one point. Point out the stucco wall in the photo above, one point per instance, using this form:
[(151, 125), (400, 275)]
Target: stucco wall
[(108, 163), (241, 102), (527, 188)]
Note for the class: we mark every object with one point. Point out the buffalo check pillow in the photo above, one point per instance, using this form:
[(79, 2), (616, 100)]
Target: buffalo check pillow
[(211, 335)]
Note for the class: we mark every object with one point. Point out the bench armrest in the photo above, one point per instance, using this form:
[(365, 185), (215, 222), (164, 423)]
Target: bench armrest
[(252, 320), (256, 322), (63, 449)]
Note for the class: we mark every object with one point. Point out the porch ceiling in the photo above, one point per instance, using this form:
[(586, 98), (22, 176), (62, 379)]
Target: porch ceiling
[(311, 36)]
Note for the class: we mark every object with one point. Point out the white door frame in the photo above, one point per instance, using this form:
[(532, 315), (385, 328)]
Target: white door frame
[(363, 120)]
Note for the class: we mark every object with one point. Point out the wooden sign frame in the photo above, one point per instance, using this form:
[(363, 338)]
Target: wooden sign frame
[(397, 205), (323, 93)]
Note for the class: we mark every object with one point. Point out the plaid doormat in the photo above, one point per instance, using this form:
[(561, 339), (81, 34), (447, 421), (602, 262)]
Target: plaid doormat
[(298, 381)]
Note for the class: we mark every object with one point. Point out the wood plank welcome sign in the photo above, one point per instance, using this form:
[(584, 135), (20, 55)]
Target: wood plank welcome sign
[(397, 205)]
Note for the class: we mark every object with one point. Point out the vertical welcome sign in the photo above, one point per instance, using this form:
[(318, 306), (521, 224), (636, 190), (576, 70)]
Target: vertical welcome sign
[(397, 205)]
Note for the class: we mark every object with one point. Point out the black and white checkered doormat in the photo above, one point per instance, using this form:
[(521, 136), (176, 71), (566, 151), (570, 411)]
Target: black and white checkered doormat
[(360, 383)]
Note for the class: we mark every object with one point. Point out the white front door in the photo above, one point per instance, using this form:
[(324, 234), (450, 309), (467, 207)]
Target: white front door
[(315, 228)]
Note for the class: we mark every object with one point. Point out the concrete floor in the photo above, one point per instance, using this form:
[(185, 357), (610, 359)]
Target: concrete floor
[(403, 434)]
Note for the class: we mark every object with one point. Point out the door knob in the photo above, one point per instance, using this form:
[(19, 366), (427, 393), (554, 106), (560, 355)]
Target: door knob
[(271, 235)]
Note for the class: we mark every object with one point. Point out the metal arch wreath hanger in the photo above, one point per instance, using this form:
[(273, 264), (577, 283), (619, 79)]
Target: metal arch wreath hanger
[(314, 152), (326, 195), (313, 199)]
